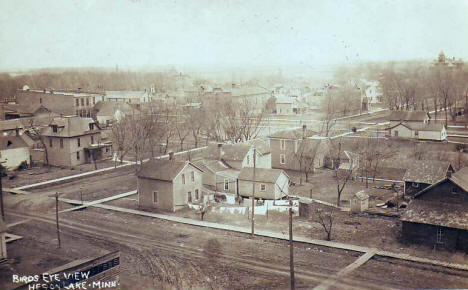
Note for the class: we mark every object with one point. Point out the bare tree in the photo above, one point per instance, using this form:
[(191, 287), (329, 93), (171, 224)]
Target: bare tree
[(344, 176), (325, 218), (305, 156), (119, 139)]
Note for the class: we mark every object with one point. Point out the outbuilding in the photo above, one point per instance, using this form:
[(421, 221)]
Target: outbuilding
[(360, 202)]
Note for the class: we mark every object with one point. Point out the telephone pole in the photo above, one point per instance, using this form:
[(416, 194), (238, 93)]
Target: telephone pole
[(57, 217), (291, 246), (253, 192), (1, 192)]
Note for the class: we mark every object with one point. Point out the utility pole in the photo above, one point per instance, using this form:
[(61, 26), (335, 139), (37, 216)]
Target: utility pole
[(1, 192), (57, 217), (291, 246), (253, 191)]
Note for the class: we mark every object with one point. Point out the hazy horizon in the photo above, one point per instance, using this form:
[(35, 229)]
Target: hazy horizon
[(218, 34)]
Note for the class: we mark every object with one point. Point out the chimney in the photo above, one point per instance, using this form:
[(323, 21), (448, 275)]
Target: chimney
[(219, 150), (61, 115), (449, 173), (304, 128), (17, 131), (171, 155)]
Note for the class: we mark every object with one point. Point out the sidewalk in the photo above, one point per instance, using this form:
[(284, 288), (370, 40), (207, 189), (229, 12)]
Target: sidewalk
[(270, 234)]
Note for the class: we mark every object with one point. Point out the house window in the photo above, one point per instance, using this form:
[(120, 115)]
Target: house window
[(61, 143), (416, 133), (283, 144), (155, 197), (226, 184), (78, 155), (248, 159), (87, 101), (415, 185), (79, 142), (189, 196), (192, 176), (282, 159), (92, 139), (91, 126), (50, 142), (455, 190), (196, 194), (77, 103), (440, 235), (183, 178), (262, 187), (395, 133), (54, 128), (82, 102), (94, 100)]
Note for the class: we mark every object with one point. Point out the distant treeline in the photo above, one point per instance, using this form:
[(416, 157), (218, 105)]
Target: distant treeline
[(88, 81)]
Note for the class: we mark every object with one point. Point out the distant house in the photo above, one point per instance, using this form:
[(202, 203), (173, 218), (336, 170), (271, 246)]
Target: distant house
[(73, 140), (107, 112), (14, 151), (168, 185), (130, 97), (421, 131), (268, 183), (286, 105), (237, 155), (438, 215), (287, 146), (423, 173)]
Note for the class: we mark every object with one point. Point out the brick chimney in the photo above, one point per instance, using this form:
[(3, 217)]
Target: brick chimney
[(171, 155), (304, 128)]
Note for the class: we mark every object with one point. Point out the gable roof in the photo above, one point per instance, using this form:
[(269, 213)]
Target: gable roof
[(110, 108), (165, 170), (294, 134), (409, 116), (460, 178), (8, 125), (261, 174), (262, 146), (227, 152), (426, 171)]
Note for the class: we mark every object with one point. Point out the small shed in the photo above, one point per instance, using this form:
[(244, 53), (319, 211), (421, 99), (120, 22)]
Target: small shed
[(3, 249), (360, 202)]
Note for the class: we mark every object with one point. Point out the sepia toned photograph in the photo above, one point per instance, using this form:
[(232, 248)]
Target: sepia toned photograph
[(233, 144)]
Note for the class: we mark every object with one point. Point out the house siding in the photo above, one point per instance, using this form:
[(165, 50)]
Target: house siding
[(66, 156), (145, 194), (289, 152), (427, 235)]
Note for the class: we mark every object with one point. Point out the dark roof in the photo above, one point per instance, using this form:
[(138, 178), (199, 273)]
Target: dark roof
[(261, 174), (428, 127), (294, 134), (165, 170), (460, 178), (212, 165), (426, 171), (12, 142), (408, 116), (437, 213)]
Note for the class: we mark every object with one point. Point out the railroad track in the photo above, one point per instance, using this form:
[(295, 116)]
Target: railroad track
[(149, 243)]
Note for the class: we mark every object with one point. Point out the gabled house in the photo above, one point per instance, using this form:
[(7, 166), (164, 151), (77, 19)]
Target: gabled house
[(288, 147), (168, 185), (409, 117), (72, 140), (218, 176), (420, 131), (423, 173), (286, 105), (268, 183), (237, 155), (107, 112), (438, 215)]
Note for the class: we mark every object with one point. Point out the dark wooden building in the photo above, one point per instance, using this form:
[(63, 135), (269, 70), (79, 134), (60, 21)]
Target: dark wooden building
[(438, 215), (423, 173)]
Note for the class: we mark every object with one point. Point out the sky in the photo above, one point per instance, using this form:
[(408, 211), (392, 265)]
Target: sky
[(143, 33)]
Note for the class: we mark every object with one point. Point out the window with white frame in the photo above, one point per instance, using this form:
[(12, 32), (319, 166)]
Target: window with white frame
[(192, 176), (283, 144), (226, 184), (262, 187), (282, 159), (440, 235), (196, 194), (155, 197)]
